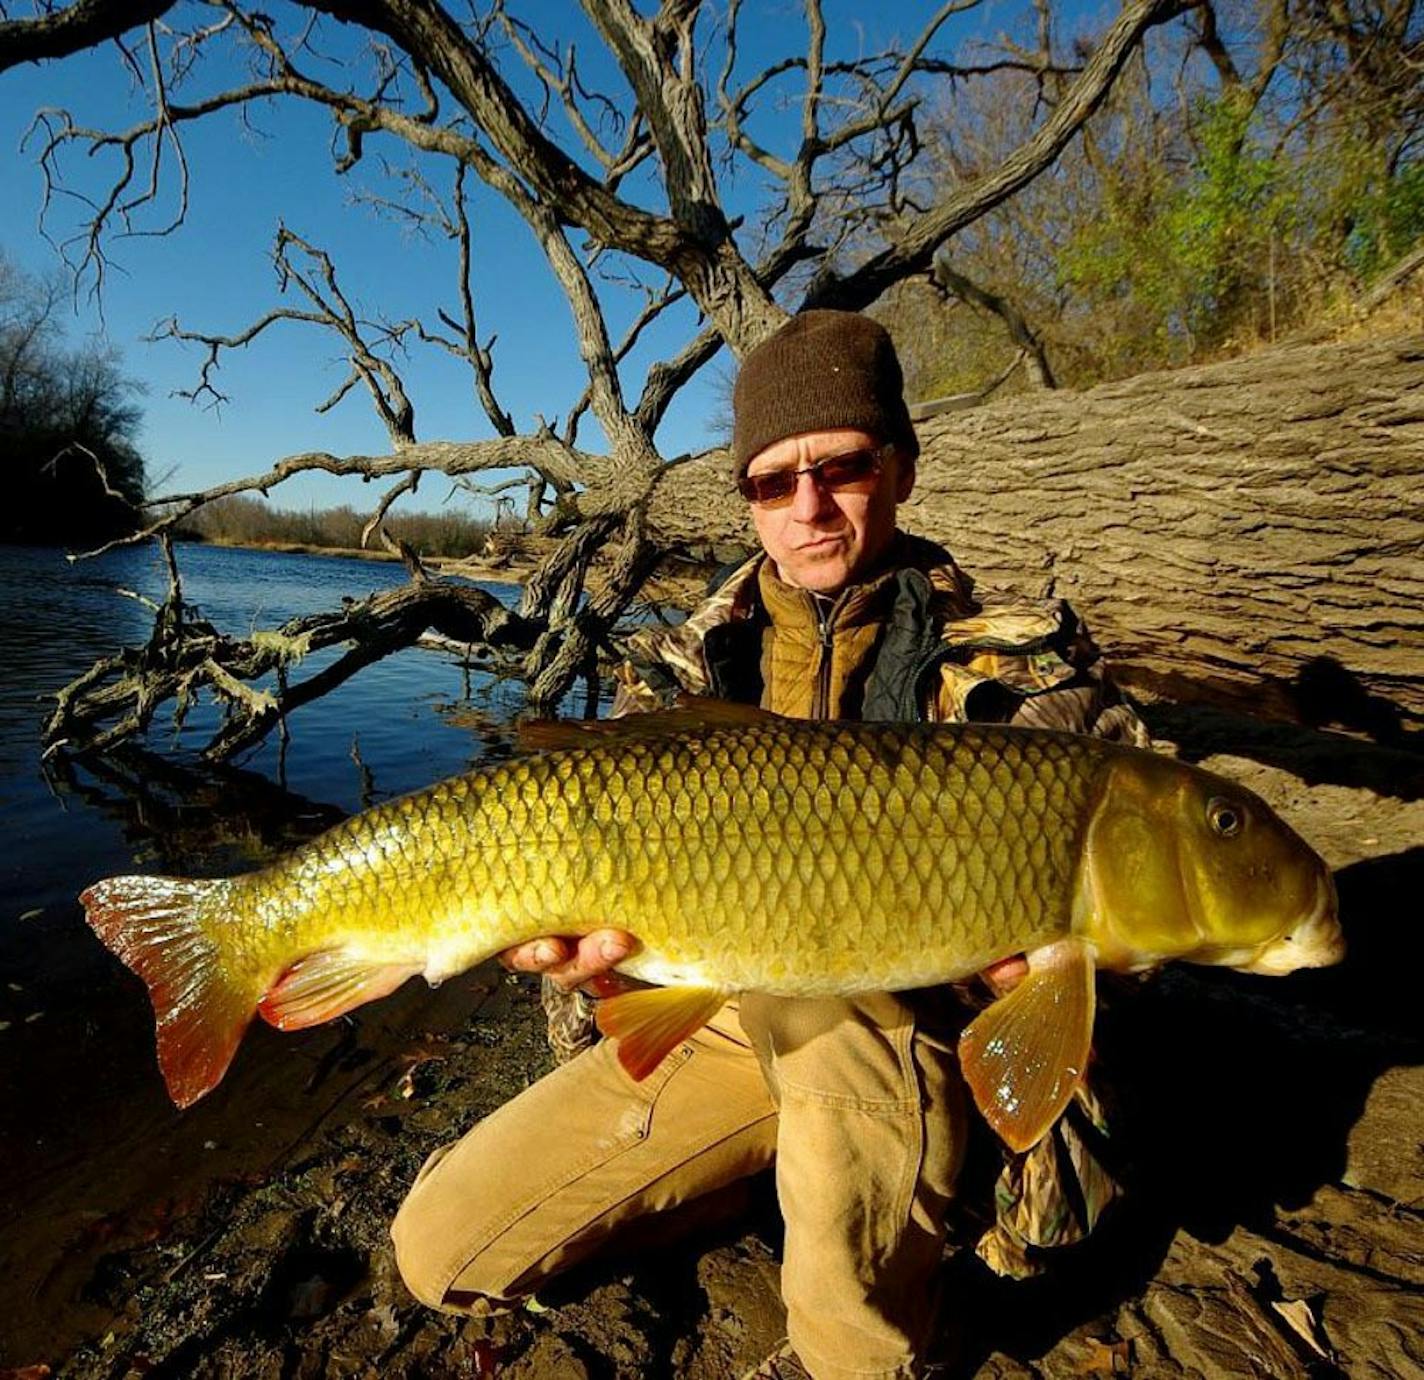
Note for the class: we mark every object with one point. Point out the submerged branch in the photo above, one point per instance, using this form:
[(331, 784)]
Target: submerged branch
[(114, 701)]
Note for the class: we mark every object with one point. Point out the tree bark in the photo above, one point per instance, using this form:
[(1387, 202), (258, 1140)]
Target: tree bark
[(1248, 533)]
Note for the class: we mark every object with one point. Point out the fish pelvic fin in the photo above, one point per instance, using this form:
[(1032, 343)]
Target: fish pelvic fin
[(155, 925), (321, 986), (1024, 1056), (649, 1023)]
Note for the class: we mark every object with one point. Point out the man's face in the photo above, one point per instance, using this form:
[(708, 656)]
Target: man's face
[(824, 539)]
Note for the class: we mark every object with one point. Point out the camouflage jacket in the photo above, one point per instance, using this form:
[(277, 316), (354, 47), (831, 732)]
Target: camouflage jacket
[(935, 653), (940, 655)]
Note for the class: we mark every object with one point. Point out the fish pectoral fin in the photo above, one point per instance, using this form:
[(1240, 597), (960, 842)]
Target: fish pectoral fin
[(327, 984), (1024, 1056), (649, 1023)]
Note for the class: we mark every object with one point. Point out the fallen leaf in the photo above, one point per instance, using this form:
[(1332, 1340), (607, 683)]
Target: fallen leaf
[(1302, 1321), (33, 914)]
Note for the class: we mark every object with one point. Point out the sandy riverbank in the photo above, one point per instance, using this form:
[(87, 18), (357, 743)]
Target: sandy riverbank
[(1274, 1124)]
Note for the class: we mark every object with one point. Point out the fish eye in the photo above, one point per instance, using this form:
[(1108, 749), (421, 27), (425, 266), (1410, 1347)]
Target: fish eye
[(1224, 817)]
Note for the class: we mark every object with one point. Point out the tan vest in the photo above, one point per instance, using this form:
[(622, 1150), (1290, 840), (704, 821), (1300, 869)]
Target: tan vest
[(816, 652)]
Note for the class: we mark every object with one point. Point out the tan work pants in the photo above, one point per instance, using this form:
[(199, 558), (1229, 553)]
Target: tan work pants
[(858, 1102)]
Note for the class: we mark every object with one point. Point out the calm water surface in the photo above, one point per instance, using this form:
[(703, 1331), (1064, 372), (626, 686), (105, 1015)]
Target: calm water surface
[(71, 1019), (91, 1149), (411, 718)]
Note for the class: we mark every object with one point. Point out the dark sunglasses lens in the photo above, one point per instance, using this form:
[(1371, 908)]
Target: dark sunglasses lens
[(768, 488), (836, 473), (841, 470)]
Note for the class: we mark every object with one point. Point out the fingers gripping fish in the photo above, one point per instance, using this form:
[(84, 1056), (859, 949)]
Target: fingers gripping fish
[(750, 852)]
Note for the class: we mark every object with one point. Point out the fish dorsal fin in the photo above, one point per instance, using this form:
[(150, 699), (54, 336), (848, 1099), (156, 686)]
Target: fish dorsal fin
[(648, 1024), (1024, 1056), (328, 984), (692, 712), (715, 713)]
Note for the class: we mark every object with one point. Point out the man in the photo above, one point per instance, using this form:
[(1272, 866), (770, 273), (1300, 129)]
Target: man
[(857, 1101)]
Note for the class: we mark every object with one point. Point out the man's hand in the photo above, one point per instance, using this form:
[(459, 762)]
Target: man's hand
[(568, 961), (1006, 974)]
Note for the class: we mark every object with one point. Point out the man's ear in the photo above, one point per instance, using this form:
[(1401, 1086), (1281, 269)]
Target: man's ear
[(904, 476)]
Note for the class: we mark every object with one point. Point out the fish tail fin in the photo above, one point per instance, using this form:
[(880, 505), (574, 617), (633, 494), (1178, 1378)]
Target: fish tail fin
[(156, 926)]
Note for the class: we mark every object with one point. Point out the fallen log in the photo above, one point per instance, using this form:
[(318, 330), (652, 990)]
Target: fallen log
[(1248, 533)]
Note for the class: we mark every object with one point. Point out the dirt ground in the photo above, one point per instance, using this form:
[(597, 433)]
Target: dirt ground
[(1274, 1228)]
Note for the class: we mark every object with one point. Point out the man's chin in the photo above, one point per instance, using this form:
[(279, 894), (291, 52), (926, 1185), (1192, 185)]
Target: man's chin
[(821, 571)]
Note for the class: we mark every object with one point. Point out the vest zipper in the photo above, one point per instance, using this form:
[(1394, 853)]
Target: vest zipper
[(825, 619)]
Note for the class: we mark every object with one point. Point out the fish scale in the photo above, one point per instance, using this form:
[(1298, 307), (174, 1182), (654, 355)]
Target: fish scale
[(852, 831)]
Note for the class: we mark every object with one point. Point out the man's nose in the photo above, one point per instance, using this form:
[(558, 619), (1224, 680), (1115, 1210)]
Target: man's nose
[(811, 499)]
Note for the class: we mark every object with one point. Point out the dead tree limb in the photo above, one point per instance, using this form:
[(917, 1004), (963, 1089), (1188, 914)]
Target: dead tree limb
[(116, 700), (1032, 353), (441, 87)]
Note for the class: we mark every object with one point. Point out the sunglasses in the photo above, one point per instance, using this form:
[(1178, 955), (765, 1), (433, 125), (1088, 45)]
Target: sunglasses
[(856, 469)]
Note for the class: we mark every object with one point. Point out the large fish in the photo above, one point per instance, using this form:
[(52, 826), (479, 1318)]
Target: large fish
[(751, 852)]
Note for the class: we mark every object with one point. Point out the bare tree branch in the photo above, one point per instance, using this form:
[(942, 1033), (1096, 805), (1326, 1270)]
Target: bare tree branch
[(84, 24), (847, 191), (1030, 347), (914, 250), (542, 452)]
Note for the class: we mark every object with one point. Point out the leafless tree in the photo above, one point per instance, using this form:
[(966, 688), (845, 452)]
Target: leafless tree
[(851, 215)]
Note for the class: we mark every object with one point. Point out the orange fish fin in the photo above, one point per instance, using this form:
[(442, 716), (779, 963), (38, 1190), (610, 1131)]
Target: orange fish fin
[(692, 712), (1023, 1056), (154, 924), (328, 984), (649, 1023)]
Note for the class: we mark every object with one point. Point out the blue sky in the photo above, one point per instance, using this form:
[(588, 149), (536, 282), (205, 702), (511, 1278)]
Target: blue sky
[(215, 272)]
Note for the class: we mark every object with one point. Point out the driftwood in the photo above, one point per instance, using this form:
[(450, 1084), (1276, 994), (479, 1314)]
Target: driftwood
[(1249, 533), (114, 702)]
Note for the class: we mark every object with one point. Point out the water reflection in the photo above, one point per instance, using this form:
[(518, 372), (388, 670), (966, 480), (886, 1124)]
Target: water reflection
[(190, 816), (403, 723)]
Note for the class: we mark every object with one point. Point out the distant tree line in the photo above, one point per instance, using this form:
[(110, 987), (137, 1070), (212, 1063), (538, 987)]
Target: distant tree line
[(242, 521), (72, 470)]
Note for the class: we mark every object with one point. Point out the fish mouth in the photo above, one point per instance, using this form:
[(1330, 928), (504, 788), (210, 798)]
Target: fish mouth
[(1316, 942)]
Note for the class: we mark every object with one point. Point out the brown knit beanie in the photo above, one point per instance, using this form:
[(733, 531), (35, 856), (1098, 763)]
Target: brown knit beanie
[(821, 370)]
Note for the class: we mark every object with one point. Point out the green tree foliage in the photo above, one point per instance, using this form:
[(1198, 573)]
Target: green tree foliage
[(68, 422), (1249, 174), (1194, 247)]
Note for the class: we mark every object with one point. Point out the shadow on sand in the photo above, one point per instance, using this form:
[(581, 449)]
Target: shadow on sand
[(1235, 1095)]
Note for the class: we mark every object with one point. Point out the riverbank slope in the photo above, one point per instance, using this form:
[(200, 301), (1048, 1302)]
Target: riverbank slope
[(1274, 1228)]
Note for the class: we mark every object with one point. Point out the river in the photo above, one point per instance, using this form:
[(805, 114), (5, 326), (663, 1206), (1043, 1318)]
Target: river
[(85, 1128)]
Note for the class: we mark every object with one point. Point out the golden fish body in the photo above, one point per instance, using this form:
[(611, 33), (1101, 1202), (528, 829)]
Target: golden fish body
[(790, 858), (778, 855)]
